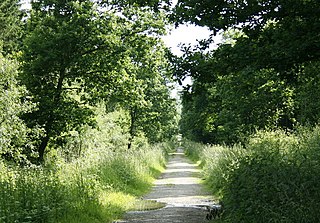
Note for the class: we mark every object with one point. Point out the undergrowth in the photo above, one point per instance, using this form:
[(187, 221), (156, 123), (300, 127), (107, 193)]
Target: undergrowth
[(273, 178), (96, 188), (96, 181)]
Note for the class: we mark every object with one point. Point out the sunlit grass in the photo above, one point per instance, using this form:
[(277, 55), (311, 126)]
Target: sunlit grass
[(146, 205), (99, 187), (274, 178)]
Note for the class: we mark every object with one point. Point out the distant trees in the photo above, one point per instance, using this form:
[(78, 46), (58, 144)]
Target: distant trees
[(151, 110)]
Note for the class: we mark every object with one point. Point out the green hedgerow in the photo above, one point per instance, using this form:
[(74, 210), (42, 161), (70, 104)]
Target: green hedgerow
[(273, 178)]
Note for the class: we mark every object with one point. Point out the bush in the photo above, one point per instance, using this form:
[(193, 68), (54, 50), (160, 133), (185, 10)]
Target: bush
[(193, 150), (275, 178), (88, 174), (16, 139)]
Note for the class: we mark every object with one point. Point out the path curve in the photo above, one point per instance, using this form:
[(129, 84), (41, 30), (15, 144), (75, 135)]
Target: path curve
[(179, 187)]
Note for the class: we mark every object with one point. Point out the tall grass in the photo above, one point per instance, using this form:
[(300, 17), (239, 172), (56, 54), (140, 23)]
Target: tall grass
[(30, 195), (99, 187), (273, 178), (92, 178)]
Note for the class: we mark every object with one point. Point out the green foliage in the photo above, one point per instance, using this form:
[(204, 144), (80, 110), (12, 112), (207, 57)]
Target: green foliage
[(306, 94), (156, 5), (64, 49), (11, 26), (90, 176), (252, 16), (252, 100), (30, 195), (85, 68), (146, 95), (262, 75), (77, 54), (232, 107), (16, 140), (97, 187), (274, 179), (193, 150)]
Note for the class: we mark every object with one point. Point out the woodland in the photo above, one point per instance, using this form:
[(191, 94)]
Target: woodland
[(87, 118)]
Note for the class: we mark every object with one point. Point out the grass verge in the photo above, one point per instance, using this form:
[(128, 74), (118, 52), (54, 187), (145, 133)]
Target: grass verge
[(273, 178), (98, 187)]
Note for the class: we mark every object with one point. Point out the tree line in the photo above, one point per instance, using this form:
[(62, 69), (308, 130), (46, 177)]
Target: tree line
[(62, 59), (254, 100), (67, 56), (264, 76)]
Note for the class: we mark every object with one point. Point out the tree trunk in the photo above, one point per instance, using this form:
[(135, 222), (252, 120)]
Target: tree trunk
[(129, 143), (50, 121), (132, 127), (42, 148)]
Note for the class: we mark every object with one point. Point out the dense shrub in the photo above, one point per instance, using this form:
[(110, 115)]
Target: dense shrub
[(274, 178), (193, 150), (16, 139)]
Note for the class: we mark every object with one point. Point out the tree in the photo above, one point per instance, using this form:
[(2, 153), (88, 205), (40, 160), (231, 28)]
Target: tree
[(17, 141), (11, 26), (256, 75), (151, 110), (155, 5), (307, 97), (204, 105), (232, 100), (251, 15), (284, 30), (78, 53), (254, 100), (67, 52), (158, 118)]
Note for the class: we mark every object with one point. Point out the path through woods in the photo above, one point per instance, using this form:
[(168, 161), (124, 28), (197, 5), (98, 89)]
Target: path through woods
[(179, 187)]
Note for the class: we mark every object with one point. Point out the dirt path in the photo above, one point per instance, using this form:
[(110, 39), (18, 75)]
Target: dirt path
[(179, 187)]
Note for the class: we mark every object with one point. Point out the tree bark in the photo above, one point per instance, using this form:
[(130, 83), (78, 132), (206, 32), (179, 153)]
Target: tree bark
[(50, 120), (42, 148), (132, 126)]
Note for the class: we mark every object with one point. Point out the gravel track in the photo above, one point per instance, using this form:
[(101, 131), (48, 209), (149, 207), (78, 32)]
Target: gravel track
[(179, 187)]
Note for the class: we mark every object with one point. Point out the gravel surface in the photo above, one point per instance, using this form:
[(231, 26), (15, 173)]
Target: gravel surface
[(179, 187)]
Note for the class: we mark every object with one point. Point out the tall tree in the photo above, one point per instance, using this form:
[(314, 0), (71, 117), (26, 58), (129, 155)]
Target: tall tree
[(70, 49), (77, 53), (284, 30), (11, 25), (231, 99), (269, 61)]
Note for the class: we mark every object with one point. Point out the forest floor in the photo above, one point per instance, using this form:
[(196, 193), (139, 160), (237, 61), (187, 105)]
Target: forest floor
[(180, 188)]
